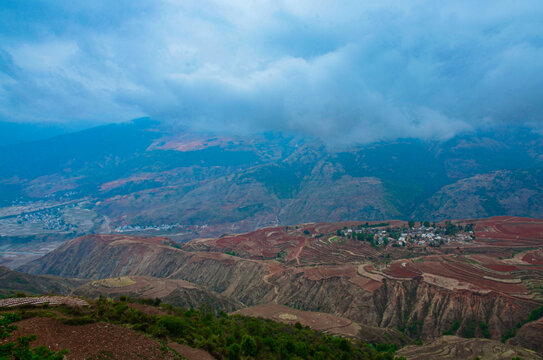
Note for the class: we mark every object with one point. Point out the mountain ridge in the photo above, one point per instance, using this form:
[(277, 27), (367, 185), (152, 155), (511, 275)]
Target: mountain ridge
[(146, 178)]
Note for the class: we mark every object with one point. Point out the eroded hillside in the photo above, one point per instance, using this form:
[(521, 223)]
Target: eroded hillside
[(482, 287)]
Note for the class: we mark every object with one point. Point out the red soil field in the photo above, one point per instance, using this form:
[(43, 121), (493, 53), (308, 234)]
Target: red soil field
[(324, 272), (468, 273), (501, 267), (291, 244), (92, 341), (534, 257), (510, 231), (403, 269)]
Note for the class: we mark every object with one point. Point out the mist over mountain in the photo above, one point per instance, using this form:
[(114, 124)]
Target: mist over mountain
[(347, 72), (143, 175), (15, 133)]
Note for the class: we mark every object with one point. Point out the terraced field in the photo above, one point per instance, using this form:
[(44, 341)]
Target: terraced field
[(482, 287)]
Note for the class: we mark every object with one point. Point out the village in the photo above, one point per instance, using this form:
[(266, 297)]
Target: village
[(161, 227), (423, 235), (49, 219)]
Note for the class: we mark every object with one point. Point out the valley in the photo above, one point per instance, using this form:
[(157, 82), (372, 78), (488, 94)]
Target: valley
[(481, 281), (186, 184)]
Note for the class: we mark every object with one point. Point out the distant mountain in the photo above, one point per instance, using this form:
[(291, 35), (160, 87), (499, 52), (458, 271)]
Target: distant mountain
[(12, 282), (145, 176), (14, 133), (502, 192)]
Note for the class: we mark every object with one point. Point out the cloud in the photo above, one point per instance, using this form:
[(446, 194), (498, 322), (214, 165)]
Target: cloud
[(345, 71)]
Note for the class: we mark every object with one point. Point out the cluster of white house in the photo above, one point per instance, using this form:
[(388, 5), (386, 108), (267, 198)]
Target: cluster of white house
[(162, 227), (421, 236)]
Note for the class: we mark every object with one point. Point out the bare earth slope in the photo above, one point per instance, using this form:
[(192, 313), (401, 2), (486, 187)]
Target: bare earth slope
[(326, 323), (172, 291), (423, 296), (455, 348), (92, 341), (529, 336), (15, 281)]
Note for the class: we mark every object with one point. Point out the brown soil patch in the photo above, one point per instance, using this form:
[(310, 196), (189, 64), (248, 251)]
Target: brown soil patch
[(315, 320), (91, 341), (144, 286), (534, 258), (403, 269), (455, 348), (529, 336), (190, 353), (325, 272), (365, 283), (147, 309)]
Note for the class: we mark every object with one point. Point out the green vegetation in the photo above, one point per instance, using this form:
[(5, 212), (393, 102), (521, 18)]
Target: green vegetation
[(6, 324), (394, 233), (471, 327), (484, 330), (469, 330), (20, 350), (454, 328), (452, 229), (223, 336), (535, 314), (364, 236)]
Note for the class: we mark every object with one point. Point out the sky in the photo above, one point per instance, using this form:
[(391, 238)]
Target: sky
[(358, 71)]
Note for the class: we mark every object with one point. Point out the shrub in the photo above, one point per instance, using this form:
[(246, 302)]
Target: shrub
[(248, 345), (234, 351), (21, 350), (174, 325)]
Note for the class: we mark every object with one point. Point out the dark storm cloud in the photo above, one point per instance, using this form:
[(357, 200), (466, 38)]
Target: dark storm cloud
[(338, 70)]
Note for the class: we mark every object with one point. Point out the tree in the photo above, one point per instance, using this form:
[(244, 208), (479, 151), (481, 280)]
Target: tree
[(248, 345), (21, 350), (411, 223), (234, 351), (175, 326)]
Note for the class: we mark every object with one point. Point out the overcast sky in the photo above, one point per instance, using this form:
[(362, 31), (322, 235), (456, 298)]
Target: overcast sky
[(359, 70)]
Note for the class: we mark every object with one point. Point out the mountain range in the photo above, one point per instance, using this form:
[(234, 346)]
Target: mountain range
[(149, 177)]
